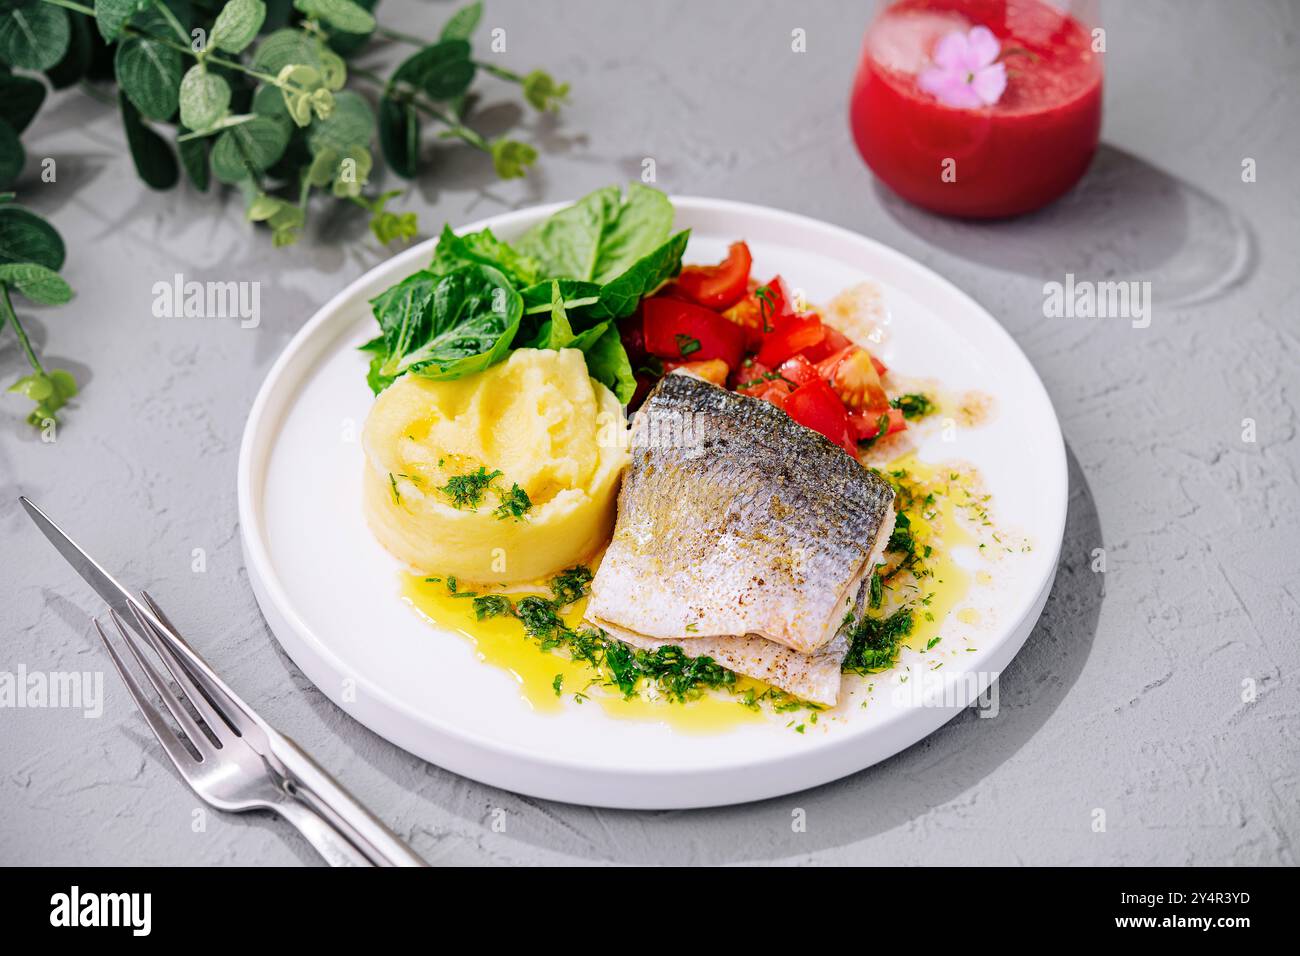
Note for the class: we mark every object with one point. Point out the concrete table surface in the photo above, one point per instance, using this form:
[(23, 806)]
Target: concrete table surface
[(1160, 693)]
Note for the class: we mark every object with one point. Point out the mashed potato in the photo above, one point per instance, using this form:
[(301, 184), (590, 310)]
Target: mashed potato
[(539, 420)]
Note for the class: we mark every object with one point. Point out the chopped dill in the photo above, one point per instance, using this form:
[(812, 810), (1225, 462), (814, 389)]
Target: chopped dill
[(492, 605), (515, 503), (875, 641), (466, 491), (913, 405), (558, 684), (392, 483), (571, 584)]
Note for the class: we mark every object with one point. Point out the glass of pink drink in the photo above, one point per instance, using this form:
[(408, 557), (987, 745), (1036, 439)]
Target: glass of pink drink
[(982, 159)]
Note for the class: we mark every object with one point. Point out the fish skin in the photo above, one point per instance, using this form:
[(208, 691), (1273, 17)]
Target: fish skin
[(733, 520)]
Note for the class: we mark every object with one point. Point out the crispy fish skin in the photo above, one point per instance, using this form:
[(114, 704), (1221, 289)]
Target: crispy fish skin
[(735, 520)]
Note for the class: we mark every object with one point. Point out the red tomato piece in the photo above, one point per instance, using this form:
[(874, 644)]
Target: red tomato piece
[(866, 425), (683, 332), (792, 334), (852, 375), (815, 406), (798, 370), (833, 341), (718, 287)]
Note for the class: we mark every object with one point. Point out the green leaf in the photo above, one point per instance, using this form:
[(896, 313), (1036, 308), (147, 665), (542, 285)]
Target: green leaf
[(50, 390), (150, 75), (483, 248), (194, 158), (446, 327), (399, 136), (341, 14), (350, 124), (601, 235), (39, 284), (607, 363), (12, 155), (619, 296), (511, 158), (154, 161), (390, 226), (112, 15), (26, 237), (237, 24), (441, 70), (463, 22), (33, 35), (76, 62), (204, 97), (285, 47), (20, 99), (248, 148)]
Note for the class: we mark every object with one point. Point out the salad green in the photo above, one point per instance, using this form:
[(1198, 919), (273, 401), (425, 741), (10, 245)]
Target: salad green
[(563, 284)]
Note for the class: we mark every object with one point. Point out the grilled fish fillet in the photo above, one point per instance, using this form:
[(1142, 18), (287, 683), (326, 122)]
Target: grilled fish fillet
[(742, 535)]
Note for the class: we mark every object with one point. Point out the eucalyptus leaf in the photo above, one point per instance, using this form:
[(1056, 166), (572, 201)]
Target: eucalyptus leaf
[(237, 25), (442, 70), (37, 283), (12, 155), (463, 22), (248, 148), (154, 161), (77, 60), (20, 98), (204, 97), (26, 237), (399, 136), (194, 159), (150, 75), (33, 35), (350, 124), (341, 14), (112, 15)]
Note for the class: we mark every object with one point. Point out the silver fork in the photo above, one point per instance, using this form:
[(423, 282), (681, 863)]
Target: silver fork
[(216, 757)]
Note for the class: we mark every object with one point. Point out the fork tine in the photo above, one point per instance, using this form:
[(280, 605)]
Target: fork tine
[(240, 714), (215, 721), (198, 739), (181, 758)]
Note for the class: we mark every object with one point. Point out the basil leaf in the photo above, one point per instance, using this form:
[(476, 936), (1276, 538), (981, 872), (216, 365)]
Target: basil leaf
[(482, 247), (446, 327), (601, 235), (620, 296), (607, 363)]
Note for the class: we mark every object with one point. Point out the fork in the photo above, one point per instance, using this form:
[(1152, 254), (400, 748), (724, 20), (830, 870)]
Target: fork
[(216, 756)]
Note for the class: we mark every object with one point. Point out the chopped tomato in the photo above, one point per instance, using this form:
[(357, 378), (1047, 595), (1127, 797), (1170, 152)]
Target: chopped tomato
[(833, 341), (718, 287), (815, 406), (866, 425), (748, 316), (711, 370), (798, 370), (683, 332), (778, 393), (777, 301), (853, 377), (792, 334)]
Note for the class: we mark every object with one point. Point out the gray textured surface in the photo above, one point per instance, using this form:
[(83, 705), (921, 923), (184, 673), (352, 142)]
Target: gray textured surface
[(1128, 701)]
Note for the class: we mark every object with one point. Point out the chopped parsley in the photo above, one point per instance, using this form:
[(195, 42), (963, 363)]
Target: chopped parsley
[(875, 641), (558, 684), (466, 491), (492, 605), (913, 405), (687, 344), (571, 584), (515, 503)]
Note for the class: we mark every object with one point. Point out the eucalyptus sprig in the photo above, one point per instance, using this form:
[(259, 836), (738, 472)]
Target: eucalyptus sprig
[(257, 94), (31, 253)]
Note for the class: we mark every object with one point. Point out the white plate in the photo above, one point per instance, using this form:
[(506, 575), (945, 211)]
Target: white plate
[(330, 592)]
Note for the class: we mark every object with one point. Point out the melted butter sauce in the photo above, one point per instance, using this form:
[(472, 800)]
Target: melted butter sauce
[(937, 522), (501, 642)]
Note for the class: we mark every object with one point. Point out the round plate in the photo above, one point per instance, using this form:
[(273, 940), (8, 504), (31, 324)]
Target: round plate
[(331, 593)]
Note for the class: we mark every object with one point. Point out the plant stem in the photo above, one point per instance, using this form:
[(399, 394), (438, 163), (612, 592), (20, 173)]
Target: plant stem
[(453, 126), (500, 72), (400, 36), (171, 19), (7, 314)]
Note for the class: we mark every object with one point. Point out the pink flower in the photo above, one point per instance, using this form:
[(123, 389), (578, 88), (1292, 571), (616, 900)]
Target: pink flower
[(965, 73)]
